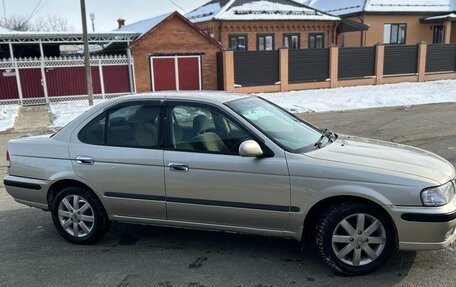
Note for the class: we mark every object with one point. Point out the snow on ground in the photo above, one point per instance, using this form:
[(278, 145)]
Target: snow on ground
[(363, 97), (8, 115), (65, 112)]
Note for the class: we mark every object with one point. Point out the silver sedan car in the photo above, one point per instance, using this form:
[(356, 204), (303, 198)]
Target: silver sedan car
[(236, 163)]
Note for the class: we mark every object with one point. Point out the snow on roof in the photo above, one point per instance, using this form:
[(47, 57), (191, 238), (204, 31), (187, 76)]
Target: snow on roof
[(337, 7), (410, 5), (256, 10), (144, 26), (345, 7), (205, 13), (4, 30), (446, 16)]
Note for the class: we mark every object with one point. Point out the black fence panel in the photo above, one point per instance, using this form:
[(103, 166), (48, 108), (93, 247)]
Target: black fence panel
[(256, 68), (220, 74), (356, 62), (401, 60), (441, 58), (308, 65)]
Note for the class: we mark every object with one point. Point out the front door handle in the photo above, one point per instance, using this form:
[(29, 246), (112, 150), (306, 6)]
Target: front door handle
[(85, 160), (179, 167)]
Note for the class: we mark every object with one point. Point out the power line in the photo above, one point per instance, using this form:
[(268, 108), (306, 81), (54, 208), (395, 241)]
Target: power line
[(178, 6)]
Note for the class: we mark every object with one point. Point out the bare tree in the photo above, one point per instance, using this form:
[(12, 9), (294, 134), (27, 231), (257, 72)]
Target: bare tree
[(53, 23), (16, 23)]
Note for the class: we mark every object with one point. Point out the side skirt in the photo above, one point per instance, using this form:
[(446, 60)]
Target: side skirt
[(205, 226)]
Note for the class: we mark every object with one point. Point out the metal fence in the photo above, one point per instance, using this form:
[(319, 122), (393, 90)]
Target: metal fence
[(356, 62), (401, 59), (37, 81), (254, 68), (308, 65), (441, 58)]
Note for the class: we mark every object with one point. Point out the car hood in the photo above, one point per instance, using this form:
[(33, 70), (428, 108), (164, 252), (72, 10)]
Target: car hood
[(387, 156)]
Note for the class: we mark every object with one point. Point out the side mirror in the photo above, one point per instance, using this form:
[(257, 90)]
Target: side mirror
[(250, 148)]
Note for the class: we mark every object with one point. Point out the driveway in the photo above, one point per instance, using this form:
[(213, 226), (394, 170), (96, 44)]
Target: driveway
[(33, 254)]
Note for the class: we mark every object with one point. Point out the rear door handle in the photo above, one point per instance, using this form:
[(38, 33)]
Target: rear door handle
[(85, 160), (178, 167)]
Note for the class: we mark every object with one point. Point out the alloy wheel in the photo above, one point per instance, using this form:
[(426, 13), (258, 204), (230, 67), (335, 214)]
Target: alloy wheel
[(358, 239), (76, 216)]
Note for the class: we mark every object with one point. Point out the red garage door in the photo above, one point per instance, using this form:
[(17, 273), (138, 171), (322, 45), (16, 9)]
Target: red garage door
[(177, 73)]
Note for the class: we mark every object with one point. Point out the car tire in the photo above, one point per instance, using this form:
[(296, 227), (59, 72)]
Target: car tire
[(79, 216), (362, 246)]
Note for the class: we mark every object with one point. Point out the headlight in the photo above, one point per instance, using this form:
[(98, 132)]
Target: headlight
[(438, 196)]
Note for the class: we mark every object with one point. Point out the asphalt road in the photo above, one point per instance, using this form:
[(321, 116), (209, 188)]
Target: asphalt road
[(33, 254)]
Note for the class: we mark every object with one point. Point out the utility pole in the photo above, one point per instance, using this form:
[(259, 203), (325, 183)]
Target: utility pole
[(87, 53), (92, 17)]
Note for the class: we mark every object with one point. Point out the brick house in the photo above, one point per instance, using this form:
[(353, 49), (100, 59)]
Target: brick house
[(394, 21), (265, 24), (173, 54)]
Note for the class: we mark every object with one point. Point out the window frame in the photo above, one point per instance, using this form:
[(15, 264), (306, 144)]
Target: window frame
[(167, 124), (290, 35), (107, 111), (398, 34), (442, 31), (261, 35), (231, 36), (315, 34)]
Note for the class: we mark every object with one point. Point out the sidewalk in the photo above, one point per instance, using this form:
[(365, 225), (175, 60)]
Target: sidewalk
[(34, 119)]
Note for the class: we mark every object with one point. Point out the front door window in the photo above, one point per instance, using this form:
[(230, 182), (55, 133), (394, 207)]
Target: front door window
[(204, 130)]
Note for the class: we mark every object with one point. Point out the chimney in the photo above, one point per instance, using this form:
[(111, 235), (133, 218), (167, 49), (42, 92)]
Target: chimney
[(121, 22)]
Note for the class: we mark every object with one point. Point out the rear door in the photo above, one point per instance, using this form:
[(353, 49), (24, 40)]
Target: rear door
[(120, 154)]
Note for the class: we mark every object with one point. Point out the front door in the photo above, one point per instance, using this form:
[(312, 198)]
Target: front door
[(208, 182), (120, 154)]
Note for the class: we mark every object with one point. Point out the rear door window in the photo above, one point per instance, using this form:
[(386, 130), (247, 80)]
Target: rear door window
[(135, 126)]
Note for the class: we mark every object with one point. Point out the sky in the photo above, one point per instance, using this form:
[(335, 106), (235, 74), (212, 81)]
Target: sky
[(106, 11)]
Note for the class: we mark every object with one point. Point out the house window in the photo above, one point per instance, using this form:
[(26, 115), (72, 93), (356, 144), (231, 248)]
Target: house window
[(292, 41), (238, 42), (437, 33), (394, 33), (316, 40), (265, 42)]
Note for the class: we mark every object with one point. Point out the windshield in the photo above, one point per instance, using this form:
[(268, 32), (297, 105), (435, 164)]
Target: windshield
[(280, 126)]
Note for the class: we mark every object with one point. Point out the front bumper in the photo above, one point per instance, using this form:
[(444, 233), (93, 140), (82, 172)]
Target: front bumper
[(425, 228), (28, 191)]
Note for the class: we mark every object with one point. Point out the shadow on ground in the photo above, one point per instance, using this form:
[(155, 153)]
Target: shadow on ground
[(136, 255)]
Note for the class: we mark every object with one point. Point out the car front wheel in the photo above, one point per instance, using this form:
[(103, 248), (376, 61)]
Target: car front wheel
[(79, 216), (355, 238)]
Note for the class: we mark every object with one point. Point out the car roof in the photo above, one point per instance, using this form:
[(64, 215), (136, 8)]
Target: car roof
[(215, 97)]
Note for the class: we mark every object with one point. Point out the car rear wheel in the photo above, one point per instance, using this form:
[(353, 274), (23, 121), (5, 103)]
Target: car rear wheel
[(79, 216), (355, 238)]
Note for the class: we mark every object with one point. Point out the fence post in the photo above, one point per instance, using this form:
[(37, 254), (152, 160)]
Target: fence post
[(228, 70), (130, 70), (447, 31), (43, 74), (100, 72), (283, 61), (334, 65), (422, 55), (379, 63), (18, 77)]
